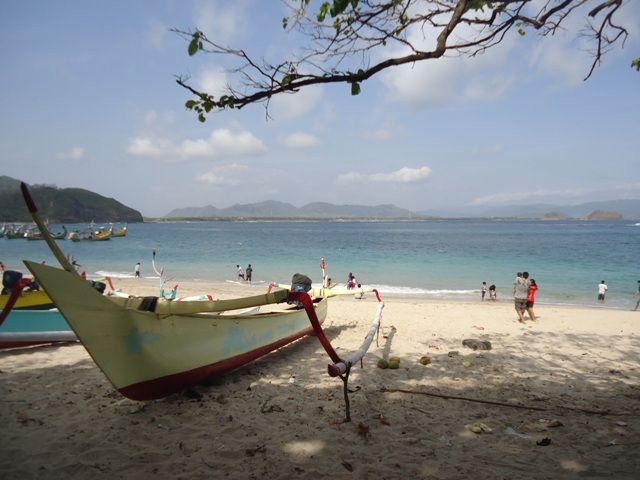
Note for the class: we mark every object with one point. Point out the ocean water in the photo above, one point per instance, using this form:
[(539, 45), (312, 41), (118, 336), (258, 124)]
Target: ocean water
[(439, 259)]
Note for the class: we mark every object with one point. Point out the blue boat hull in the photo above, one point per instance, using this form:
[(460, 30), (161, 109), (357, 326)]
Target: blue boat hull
[(34, 327)]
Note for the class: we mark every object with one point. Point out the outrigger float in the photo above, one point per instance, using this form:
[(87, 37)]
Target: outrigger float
[(150, 347)]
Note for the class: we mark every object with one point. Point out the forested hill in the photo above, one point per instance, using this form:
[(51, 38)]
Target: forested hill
[(62, 205)]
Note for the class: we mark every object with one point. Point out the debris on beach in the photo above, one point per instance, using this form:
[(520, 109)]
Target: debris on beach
[(453, 353), (513, 432), (382, 363), (479, 427), (425, 360), (394, 363), (544, 442), (476, 344)]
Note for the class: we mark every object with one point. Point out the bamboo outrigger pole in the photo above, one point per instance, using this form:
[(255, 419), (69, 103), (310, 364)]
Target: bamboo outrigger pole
[(33, 210)]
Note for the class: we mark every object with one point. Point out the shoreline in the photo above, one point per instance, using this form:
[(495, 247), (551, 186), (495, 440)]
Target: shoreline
[(150, 286)]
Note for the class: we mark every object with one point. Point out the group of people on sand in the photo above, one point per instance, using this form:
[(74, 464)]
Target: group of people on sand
[(491, 289), (244, 275), (524, 295)]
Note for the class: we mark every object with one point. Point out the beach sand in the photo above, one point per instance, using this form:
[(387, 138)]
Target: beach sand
[(572, 378)]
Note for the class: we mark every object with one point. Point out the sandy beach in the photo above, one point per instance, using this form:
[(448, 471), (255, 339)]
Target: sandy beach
[(558, 398)]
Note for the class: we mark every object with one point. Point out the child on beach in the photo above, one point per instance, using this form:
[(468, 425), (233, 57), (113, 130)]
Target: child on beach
[(531, 298), (492, 293), (351, 281)]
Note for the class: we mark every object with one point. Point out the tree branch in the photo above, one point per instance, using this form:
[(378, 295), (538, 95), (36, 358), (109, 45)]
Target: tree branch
[(340, 51)]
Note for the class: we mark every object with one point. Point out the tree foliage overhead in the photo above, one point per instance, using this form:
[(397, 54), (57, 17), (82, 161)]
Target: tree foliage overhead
[(349, 41)]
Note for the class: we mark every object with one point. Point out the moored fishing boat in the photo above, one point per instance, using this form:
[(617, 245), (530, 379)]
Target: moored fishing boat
[(29, 300), (35, 235), (119, 232)]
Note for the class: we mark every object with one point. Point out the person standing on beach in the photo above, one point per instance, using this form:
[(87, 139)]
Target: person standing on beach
[(492, 293), (638, 295), (240, 272), (351, 281), (520, 293), (531, 298), (248, 272), (136, 270), (602, 289), (484, 290)]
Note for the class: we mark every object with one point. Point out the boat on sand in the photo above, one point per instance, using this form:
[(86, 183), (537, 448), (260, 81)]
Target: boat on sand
[(150, 347), (23, 328)]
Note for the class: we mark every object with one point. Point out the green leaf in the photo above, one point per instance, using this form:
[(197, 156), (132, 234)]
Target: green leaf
[(287, 79), (635, 63), (322, 13), (193, 47), (202, 118), (355, 88), (190, 104), (360, 72)]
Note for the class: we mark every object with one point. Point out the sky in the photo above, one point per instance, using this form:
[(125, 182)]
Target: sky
[(88, 99)]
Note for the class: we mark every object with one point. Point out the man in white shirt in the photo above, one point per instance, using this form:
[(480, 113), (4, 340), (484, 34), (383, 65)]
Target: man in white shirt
[(520, 291), (602, 289)]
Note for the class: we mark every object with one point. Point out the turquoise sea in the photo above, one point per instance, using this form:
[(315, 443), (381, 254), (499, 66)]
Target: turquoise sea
[(438, 259)]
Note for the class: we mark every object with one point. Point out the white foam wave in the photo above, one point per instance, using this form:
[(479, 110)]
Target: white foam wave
[(413, 291), (105, 273)]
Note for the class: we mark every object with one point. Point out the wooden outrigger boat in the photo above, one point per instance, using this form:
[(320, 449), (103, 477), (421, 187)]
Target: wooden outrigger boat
[(150, 347), (33, 235), (120, 232), (23, 328), (29, 300)]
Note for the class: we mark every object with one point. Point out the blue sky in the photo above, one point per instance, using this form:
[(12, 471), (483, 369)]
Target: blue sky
[(89, 100)]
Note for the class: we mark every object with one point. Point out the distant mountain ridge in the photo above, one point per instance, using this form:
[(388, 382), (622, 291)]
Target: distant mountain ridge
[(62, 205), (627, 208), (275, 209)]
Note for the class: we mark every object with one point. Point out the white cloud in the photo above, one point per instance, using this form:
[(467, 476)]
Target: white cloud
[(300, 140), (222, 174), (222, 143), (403, 175), (221, 21), (148, 147), (567, 55), (287, 106), (210, 178), (76, 153), (213, 80), (449, 80)]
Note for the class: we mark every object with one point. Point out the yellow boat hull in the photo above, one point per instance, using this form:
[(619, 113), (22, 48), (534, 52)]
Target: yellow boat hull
[(30, 300)]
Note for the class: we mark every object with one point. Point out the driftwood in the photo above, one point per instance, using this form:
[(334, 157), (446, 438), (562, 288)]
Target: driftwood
[(455, 397), (503, 404)]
